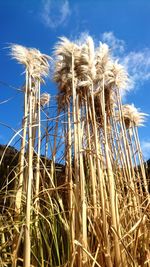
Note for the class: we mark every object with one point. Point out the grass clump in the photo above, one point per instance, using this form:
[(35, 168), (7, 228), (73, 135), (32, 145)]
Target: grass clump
[(94, 209)]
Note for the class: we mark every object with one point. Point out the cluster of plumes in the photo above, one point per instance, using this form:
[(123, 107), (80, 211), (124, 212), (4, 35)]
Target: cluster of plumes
[(132, 116), (80, 59), (35, 62), (64, 51), (44, 99), (92, 67), (85, 65)]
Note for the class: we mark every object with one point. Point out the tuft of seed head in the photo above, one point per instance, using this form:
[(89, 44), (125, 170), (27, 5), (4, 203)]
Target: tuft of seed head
[(36, 63), (44, 99), (132, 116), (117, 76), (65, 51), (86, 63), (20, 53), (102, 60)]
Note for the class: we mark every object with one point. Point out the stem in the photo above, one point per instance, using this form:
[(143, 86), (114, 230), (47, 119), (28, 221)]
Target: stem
[(82, 183), (76, 163), (101, 181), (113, 194), (135, 131), (92, 171), (22, 151), (27, 248), (72, 215), (37, 175)]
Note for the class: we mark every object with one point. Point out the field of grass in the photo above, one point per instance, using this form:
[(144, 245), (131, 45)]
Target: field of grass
[(93, 209)]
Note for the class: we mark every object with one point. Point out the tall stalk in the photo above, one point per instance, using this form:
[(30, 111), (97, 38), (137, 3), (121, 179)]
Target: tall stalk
[(82, 185), (27, 248), (92, 170), (71, 194), (113, 193), (76, 162), (101, 182), (126, 151), (137, 142), (37, 174), (22, 150)]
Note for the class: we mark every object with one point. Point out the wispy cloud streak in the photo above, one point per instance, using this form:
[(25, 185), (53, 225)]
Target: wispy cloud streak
[(55, 13), (138, 66), (114, 43), (137, 63)]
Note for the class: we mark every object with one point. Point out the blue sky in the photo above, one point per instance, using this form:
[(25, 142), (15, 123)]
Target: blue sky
[(123, 24)]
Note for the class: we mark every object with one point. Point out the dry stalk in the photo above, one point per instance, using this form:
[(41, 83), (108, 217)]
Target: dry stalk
[(27, 248), (113, 193)]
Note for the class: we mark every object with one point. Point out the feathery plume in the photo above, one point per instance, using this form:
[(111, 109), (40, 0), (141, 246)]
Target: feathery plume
[(36, 63), (132, 117), (64, 50), (44, 99), (102, 60), (20, 53), (85, 63), (117, 76)]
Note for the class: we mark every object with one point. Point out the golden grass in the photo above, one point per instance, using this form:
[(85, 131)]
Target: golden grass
[(96, 211)]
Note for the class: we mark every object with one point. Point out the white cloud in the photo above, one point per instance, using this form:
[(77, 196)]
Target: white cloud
[(114, 43), (138, 66), (55, 13), (145, 145), (137, 63)]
